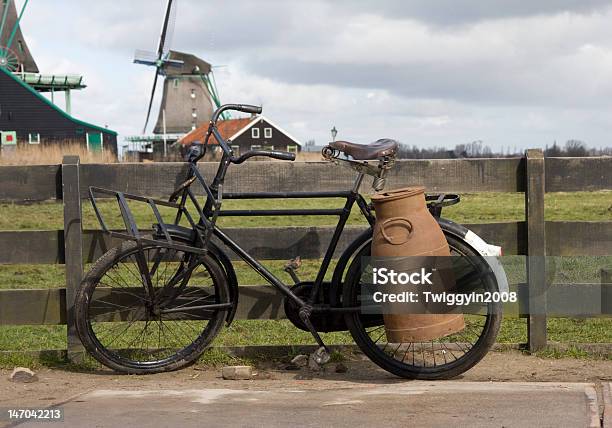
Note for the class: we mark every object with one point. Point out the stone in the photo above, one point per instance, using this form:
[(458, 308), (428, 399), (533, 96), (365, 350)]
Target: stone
[(237, 372), (300, 360), (312, 364), (341, 368), (23, 375)]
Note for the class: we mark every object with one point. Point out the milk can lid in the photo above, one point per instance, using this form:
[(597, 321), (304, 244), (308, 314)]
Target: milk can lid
[(404, 192)]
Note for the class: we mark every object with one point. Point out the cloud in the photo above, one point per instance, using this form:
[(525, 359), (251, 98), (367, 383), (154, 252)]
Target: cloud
[(453, 12), (443, 72)]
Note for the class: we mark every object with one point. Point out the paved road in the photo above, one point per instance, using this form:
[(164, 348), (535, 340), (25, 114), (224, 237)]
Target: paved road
[(474, 404)]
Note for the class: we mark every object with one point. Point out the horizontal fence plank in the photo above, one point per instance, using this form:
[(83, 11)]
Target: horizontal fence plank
[(147, 179), (578, 238), (35, 307), (30, 183), (262, 243), (32, 247), (572, 300), (440, 175), (563, 239), (578, 174), (460, 175), (47, 307), (43, 182)]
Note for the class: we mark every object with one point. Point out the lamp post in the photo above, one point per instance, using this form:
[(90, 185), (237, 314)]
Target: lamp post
[(334, 132)]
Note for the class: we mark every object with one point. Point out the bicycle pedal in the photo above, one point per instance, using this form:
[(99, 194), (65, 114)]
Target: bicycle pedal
[(291, 266), (321, 355), (294, 264)]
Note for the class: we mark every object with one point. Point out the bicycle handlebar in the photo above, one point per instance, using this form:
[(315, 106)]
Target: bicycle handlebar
[(271, 154), (244, 108)]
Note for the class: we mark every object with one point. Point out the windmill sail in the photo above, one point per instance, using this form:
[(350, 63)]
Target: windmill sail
[(187, 102), (9, 28)]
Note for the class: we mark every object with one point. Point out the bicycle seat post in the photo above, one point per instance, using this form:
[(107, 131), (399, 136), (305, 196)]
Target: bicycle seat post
[(384, 165)]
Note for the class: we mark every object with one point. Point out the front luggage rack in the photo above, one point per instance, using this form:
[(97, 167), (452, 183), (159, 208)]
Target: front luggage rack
[(161, 235)]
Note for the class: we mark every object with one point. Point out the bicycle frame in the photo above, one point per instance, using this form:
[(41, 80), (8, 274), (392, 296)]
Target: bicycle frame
[(212, 211)]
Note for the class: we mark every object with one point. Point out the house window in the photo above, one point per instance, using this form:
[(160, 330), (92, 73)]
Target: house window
[(254, 132), (269, 147), (8, 138), (194, 112), (292, 148), (268, 133), (236, 150), (175, 82), (193, 93), (95, 141), (256, 147), (34, 138)]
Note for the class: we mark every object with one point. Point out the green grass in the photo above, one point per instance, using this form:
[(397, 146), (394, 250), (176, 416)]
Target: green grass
[(474, 208), (282, 332)]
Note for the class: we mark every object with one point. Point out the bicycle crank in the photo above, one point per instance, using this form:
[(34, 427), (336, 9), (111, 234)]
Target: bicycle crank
[(305, 313)]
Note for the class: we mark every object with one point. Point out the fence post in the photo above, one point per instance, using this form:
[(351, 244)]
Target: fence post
[(73, 251), (536, 249)]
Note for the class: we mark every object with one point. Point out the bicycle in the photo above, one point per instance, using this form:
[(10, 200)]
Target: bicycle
[(156, 302)]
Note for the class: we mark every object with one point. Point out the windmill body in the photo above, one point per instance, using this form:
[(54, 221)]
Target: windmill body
[(187, 102)]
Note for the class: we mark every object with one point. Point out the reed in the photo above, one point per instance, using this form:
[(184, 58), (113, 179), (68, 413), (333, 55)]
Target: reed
[(49, 154)]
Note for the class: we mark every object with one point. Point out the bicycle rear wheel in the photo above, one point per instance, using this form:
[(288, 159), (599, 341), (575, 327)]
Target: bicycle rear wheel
[(132, 328), (442, 358)]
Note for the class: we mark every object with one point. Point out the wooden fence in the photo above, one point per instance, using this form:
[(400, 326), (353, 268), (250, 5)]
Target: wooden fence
[(533, 175)]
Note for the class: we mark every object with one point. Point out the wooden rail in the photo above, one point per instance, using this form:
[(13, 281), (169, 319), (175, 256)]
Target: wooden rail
[(73, 246)]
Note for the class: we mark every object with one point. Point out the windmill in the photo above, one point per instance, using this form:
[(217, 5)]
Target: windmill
[(14, 53), (189, 94)]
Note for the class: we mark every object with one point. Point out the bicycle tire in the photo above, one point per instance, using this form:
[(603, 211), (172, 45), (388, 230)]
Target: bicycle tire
[(358, 328), (112, 358)]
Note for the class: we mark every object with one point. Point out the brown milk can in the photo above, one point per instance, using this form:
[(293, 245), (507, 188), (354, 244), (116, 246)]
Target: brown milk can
[(404, 227)]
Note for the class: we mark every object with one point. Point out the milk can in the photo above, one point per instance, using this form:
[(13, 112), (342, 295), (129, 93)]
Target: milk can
[(405, 228)]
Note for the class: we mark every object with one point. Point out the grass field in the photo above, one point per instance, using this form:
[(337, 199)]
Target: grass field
[(474, 208)]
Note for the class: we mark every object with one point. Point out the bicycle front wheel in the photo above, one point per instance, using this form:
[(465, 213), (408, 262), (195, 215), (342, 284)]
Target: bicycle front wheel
[(134, 325), (441, 358)]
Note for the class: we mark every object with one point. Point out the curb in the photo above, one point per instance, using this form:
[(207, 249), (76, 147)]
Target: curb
[(607, 403), (592, 407)]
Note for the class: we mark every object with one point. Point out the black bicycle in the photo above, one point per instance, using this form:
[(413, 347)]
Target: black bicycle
[(156, 302)]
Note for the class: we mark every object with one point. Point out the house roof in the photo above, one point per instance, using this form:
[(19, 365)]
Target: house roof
[(229, 130), (53, 106)]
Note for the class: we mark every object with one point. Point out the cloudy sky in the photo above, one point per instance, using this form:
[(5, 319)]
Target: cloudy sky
[(512, 73)]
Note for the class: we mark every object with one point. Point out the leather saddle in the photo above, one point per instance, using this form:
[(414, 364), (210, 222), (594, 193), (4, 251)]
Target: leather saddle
[(377, 149)]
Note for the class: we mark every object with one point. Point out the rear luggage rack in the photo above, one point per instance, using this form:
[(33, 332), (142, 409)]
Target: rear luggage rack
[(161, 234), (435, 202)]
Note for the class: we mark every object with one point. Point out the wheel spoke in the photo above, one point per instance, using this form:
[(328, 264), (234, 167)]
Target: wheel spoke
[(129, 329), (433, 357)]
